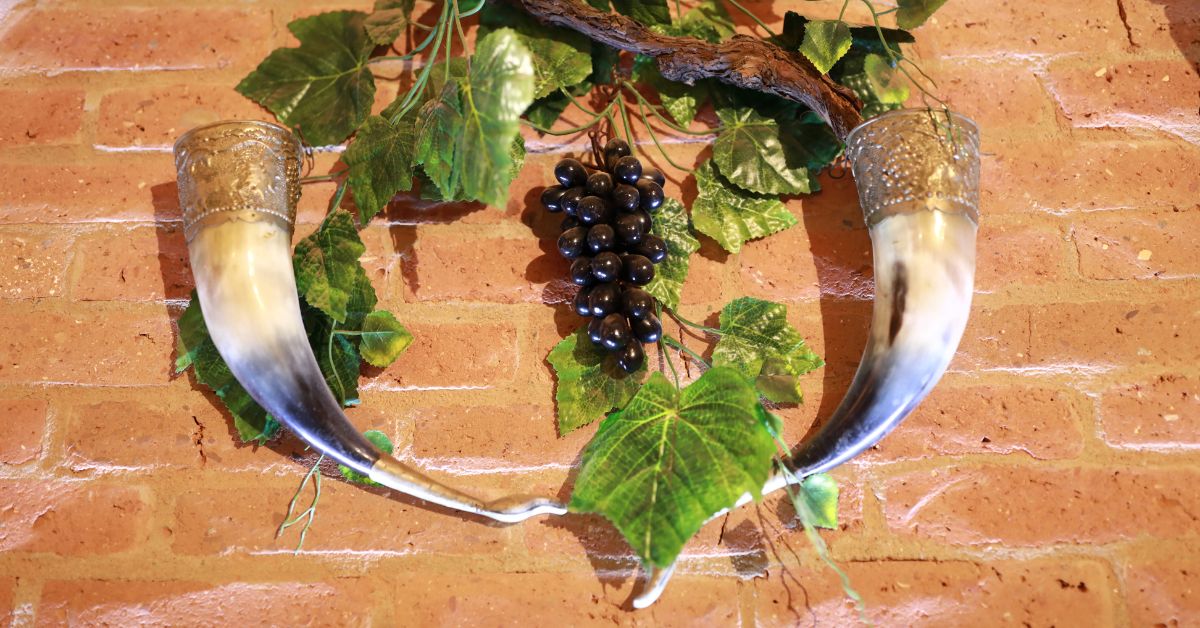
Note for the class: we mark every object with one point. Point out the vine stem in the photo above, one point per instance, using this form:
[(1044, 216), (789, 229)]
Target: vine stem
[(675, 315), (662, 350), (671, 342), (573, 130), (314, 476), (642, 102), (661, 150), (316, 178), (752, 16)]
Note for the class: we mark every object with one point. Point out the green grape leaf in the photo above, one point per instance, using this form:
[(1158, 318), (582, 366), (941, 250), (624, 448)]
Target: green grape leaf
[(561, 57), (604, 60), (648, 12), (759, 343), (670, 460), (323, 88), (886, 83), (679, 99), (820, 495), (380, 162), (671, 224), (913, 13), (336, 355), (388, 20), (732, 216), (545, 111), (439, 126), (825, 42), (327, 268), (380, 440), (589, 386), (750, 153), (602, 5), (863, 39), (383, 338), (708, 20)]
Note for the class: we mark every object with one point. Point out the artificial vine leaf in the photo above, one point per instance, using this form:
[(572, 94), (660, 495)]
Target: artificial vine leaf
[(732, 216), (439, 123), (820, 495), (561, 57), (913, 13), (380, 163), (679, 99), (380, 440), (327, 268), (388, 20), (750, 154), (589, 386), (671, 224), (864, 39), (545, 111), (336, 355), (825, 42), (759, 343), (383, 338), (671, 459), (708, 20), (323, 88), (648, 12), (886, 83)]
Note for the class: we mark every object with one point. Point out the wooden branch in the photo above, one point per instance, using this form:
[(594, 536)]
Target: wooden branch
[(743, 61)]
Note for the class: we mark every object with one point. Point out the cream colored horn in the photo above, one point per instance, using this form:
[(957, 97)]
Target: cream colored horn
[(238, 187)]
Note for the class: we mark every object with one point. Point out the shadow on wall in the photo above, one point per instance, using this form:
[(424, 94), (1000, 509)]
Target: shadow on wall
[(1183, 20)]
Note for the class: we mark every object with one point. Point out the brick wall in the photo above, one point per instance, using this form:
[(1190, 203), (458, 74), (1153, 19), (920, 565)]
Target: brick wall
[(1052, 478)]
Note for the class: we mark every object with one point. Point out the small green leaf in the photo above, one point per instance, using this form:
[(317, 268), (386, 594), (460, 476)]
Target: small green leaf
[(757, 340), (439, 127), (671, 459), (825, 41), (561, 57), (679, 99), (589, 386), (336, 355), (671, 224), (545, 111), (913, 13), (380, 163), (383, 338), (820, 495), (864, 39), (648, 12), (323, 88), (380, 440), (732, 216), (327, 268), (750, 153), (388, 20), (887, 84), (708, 20)]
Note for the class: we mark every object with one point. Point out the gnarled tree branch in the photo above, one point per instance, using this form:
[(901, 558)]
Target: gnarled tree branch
[(742, 61)]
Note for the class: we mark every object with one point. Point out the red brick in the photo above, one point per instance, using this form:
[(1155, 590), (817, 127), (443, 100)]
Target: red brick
[(817, 257), (490, 438), (1039, 422), (8, 588), (70, 518), (62, 40), (1158, 95), (1050, 592), (22, 428), (983, 28), (1168, 25), (458, 355), (137, 346), (125, 187), (154, 118), (1163, 593), (40, 116), (341, 602), (1142, 245), (34, 262), (999, 97), (993, 505), (1016, 255), (1160, 413), (139, 264), (447, 265)]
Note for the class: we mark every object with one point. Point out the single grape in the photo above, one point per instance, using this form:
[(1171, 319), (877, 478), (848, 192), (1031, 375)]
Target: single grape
[(630, 229), (643, 220), (572, 242), (627, 169), (631, 357), (594, 328), (638, 270), (651, 194), (599, 184), (605, 299), (646, 328), (582, 302), (626, 197), (581, 271), (568, 223), (601, 238), (655, 175), (606, 266), (592, 210), (551, 196), (637, 303), (653, 247), (570, 173), (615, 149), (614, 332), (569, 201)]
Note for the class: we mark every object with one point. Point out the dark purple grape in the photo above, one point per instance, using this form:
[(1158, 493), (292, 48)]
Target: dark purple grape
[(653, 247), (630, 228), (582, 302), (631, 357), (651, 194), (626, 197), (569, 222), (569, 201), (627, 169), (572, 242), (601, 238), (644, 221), (615, 149), (637, 303), (655, 175), (614, 332), (606, 266), (581, 271), (638, 270), (592, 210), (594, 328), (646, 328), (570, 173), (605, 299), (551, 196), (599, 184)]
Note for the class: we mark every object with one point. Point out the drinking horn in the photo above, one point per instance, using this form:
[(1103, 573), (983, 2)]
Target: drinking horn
[(238, 187), (917, 175)]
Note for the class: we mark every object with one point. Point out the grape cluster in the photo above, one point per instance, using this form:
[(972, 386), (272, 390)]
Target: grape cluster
[(606, 235)]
